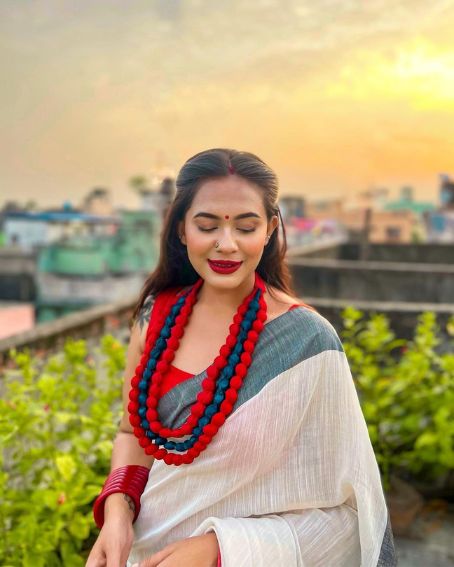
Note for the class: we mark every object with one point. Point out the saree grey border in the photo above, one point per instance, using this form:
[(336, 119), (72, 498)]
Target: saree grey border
[(290, 338), (388, 557)]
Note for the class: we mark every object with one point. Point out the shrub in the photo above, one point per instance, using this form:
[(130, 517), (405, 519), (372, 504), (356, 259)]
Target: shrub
[(58, 419), (406, 390), (57, 424)]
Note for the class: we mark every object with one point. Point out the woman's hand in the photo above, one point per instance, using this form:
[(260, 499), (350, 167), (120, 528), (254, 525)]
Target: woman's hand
[(113, 545), (197, 551)]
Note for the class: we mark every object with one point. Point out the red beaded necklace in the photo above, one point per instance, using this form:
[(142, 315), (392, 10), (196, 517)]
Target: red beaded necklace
[(156, 434)]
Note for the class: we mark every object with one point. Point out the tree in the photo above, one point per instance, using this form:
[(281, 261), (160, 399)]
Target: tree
[(139, 184)]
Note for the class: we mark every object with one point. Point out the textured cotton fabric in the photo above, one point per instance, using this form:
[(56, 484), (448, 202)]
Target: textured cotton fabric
[(290, 479)]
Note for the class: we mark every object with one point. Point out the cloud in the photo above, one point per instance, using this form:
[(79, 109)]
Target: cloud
[(92, 90)]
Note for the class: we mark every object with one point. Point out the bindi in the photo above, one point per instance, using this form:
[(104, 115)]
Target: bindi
[(226, 217)]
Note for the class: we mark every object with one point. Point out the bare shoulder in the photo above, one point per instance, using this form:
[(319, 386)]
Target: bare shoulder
[(278, 302), (143, 319)]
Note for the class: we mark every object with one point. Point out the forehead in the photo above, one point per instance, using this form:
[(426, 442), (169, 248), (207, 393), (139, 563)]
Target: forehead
[(229, 194)]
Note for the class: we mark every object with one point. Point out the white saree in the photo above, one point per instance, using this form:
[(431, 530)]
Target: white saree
[(290, 479)]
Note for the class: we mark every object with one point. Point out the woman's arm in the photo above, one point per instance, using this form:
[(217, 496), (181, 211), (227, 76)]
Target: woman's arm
[(116, 536), (303, 538), (126, 449)]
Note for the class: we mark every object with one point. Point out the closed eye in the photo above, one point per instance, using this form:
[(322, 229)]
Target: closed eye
[(240, 229)]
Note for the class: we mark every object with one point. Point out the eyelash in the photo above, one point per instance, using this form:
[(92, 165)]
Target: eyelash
[(240, 229)]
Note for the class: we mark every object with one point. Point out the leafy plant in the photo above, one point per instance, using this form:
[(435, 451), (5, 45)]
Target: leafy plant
[(406, 390), (58, 418), (57, 423)]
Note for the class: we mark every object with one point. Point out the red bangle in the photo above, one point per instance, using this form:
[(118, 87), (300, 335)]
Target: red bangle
[(130, 480)]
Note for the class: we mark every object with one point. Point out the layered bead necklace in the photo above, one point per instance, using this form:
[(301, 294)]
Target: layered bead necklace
[(219, 389)]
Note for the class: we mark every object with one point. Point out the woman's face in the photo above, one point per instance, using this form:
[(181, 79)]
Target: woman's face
[(214, 216)]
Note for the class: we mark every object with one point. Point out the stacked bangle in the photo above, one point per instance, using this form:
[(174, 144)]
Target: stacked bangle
[(130, 480)]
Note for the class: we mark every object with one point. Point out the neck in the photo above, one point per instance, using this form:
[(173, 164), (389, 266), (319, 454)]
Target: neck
[(228, 299)]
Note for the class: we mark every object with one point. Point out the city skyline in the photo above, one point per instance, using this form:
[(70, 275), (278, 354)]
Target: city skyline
[(334, 98)]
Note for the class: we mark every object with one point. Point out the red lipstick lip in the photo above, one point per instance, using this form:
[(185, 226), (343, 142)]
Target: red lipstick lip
[(226, 263), (224, 266)]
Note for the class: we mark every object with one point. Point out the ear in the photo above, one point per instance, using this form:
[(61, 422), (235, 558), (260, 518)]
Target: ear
[(272, 225), (181, 234)]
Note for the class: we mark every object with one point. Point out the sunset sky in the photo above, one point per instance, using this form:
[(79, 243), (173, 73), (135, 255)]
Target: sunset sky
[(336, 96)]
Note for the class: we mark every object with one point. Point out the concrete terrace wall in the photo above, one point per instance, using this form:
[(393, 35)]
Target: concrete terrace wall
[(402, 316), (399, 290), (374, 281), (49, 337), (114, 318), (413, 279), (17, 275), (413, 253)]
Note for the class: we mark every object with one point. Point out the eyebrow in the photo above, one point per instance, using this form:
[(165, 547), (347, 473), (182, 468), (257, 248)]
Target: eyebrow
[(211, 216)]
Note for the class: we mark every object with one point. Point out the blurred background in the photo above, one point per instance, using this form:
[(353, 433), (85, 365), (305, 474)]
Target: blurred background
[(351, 103)]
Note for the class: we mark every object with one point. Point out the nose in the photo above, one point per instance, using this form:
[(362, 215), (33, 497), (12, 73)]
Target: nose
[(227, 242)]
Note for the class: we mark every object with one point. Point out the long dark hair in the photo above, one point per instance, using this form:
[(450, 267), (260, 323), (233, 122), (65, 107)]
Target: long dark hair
[(174, 267)]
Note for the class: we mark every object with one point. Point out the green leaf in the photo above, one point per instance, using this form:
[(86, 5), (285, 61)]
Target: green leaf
[(66, 466), (426, 439), (64, 417), (79, 526), (47, 497), (33, 560), (69, 554)]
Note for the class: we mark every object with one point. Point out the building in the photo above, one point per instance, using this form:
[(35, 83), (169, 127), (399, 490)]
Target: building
[(91, 269), (370, 214), (29, 230), (446, 193), (16, 318), (98, 202)]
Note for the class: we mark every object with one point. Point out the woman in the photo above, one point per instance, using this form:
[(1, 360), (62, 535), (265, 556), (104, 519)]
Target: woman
[(250, 450)]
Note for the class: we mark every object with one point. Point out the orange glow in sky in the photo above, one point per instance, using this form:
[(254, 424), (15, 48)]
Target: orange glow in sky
[(334, 97)]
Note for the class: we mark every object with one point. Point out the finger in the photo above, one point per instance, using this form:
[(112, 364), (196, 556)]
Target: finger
[(96, 559), (156, 558), (170, 561), (124, 556)]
